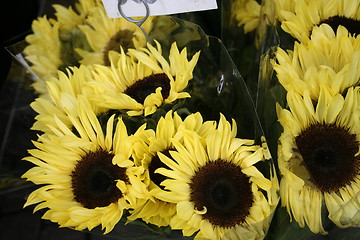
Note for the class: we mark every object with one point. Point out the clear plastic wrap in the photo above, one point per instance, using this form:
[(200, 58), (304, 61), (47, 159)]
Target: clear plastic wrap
[(217, 88)]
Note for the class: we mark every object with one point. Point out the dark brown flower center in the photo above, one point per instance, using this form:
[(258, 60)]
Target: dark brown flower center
[(156, 163), (144, 87), (122, 38), (224, 190), (94, 180), (329, 152), (352, 25)]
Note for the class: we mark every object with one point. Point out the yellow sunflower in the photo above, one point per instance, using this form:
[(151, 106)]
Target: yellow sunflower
[(300, 19), (329, 58), (51, 45), (283, 6), (246, 13), (218, 192), (105, 34), (62, 98), (147, 144), (69, 18), (43, 51), (87, 178), (141, 81), (318, 157)]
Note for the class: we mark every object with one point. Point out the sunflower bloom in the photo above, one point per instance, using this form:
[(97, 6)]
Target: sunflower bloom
[(43, 51), (141, 81), (147, 145), (283, 6), (105, 34), (218, 192), (318, 158), (70, 18), (300, 19), (61, 99), (246, 13), (52, 43), (87, 177), (329, 58)]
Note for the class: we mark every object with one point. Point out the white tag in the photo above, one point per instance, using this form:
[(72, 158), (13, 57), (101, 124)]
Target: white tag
[(136, 8)]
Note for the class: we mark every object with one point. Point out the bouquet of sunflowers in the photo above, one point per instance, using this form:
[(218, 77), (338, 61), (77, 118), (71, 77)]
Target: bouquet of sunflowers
[(157, 131), (307, 97), (173, 133)]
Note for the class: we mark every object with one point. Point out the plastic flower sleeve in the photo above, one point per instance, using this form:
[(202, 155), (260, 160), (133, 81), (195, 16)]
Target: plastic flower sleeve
[(217, 87), (245, 33), (217, 92), (327, 218), (17, 118), (268, 90)]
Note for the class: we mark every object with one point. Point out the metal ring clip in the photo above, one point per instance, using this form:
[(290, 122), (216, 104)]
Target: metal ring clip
[(140, 21)]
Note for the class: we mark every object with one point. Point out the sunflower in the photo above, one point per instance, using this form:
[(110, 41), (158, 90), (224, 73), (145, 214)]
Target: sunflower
[(329, 58), (43, 51), (246, 13), (147, 144), (86, 175), (69, 18), (52, 43), (283, 6), (318, 157), (105, 34), (71, 37), (62, 98), (300, 19), (141, 81), (218, 191)]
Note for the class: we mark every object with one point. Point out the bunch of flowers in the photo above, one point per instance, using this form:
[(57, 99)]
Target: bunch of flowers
[(189, 136), (318, 152), (162, 133), (79, 34), (307, 97)]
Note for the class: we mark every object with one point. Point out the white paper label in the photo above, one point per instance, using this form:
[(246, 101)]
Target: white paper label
[(136, 8)]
